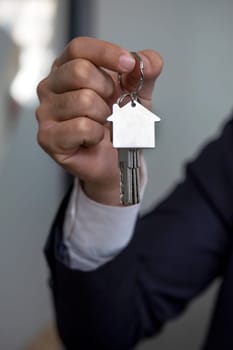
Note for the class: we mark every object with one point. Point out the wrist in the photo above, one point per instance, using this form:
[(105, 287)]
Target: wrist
[(108, 195)]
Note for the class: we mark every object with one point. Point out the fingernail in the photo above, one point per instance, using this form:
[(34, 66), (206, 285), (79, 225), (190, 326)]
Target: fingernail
[(126, 62)]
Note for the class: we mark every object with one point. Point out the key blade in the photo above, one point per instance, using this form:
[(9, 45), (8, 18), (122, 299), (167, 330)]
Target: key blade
[(124, 159), (125, 184), (136, 176), (129, 176)]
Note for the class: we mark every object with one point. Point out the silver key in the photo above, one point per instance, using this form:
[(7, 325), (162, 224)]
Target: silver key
[(133, 128), (129, 176), (135, 176), (124, 160)]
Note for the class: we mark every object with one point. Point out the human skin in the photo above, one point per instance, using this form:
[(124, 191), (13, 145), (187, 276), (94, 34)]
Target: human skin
[(75, 100)]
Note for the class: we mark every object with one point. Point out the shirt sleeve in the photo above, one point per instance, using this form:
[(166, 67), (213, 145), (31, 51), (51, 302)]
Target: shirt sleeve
[(95, 233)]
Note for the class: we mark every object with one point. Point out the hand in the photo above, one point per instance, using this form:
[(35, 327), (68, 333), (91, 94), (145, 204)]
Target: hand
[(75, 100)]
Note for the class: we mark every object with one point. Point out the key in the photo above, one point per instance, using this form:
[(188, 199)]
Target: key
[(135, 175), (125, 166), (129, 176), (132, 129)]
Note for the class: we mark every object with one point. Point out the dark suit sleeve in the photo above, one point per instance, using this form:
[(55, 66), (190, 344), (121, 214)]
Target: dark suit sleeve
[(176, 252)]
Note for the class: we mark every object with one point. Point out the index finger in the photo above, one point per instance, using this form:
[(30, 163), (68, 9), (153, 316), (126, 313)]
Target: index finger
[(99, 52)]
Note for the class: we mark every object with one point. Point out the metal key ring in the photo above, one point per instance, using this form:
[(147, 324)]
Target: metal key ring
[(139, 61)]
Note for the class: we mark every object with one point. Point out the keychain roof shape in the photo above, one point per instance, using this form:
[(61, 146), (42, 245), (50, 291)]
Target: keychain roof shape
[(133, 126)]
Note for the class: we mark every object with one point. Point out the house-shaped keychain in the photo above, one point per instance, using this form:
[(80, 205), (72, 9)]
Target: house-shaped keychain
[(133, 126)]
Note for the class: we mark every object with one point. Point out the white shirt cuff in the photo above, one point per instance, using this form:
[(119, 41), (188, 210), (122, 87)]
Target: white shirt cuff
[(95, 233)]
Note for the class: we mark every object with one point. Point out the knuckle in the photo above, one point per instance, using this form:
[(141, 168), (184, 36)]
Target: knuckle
[(41, 89), (38, 113), (82, 70), (83, 126), (89, 131), (86, 99), (41, 112), (72, 47), (45, 135)]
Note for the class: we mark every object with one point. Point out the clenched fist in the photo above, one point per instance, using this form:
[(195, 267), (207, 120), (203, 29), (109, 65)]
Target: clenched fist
[(75, 100)]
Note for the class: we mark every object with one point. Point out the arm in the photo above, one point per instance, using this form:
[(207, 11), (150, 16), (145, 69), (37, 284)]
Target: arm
[(75, 100), (177, 250), (149, 281)]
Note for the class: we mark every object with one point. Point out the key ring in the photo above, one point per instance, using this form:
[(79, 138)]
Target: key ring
[(132, 94)]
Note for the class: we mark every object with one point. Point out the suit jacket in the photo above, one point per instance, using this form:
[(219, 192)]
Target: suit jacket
[(178, 249)]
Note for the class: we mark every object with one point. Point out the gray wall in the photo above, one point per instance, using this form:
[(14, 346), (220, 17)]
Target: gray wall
[(193, 97), (31, 187)]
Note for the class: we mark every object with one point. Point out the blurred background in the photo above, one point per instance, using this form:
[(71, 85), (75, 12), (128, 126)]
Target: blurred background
[(193, 97)]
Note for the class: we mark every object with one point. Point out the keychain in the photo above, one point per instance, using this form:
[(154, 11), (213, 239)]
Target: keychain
[(133, 129)]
